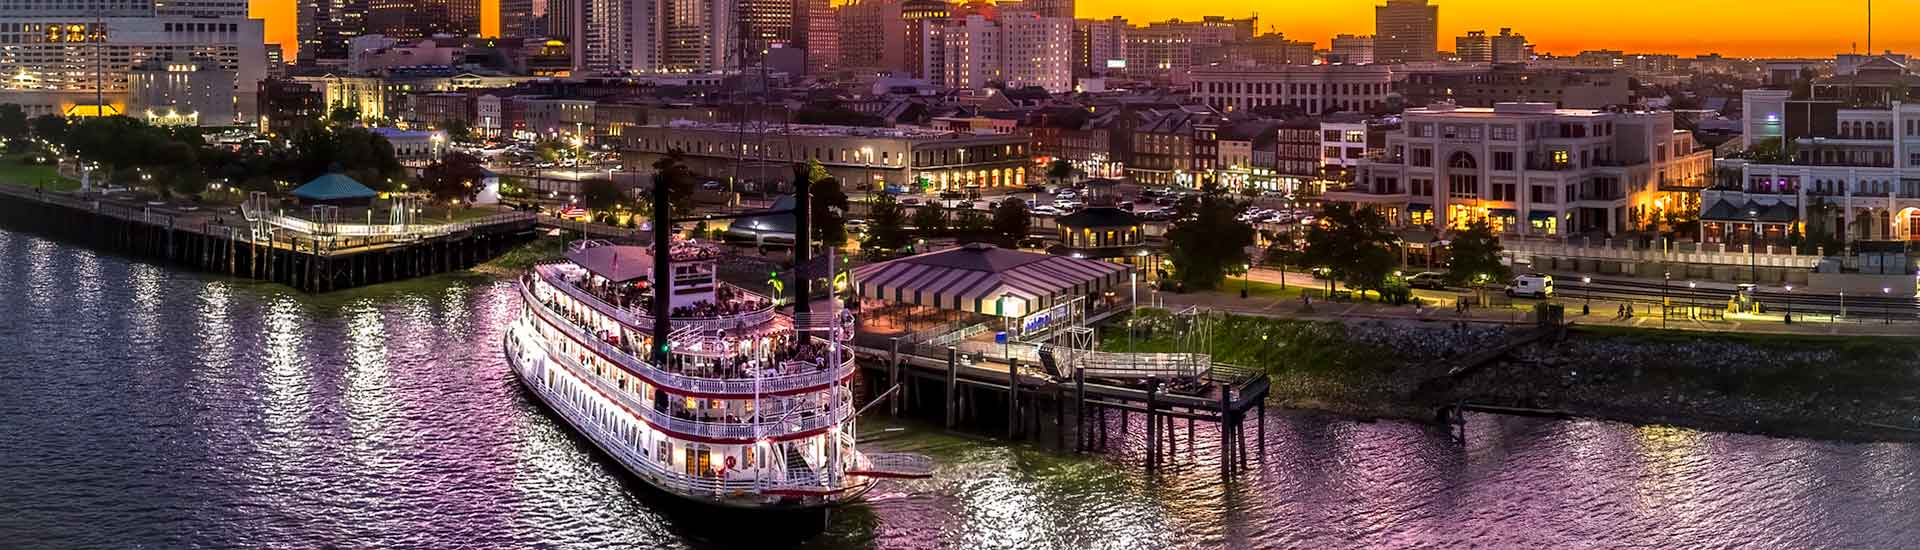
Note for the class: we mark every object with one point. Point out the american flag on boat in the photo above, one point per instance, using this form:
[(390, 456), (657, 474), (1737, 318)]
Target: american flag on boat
[(573, 211)]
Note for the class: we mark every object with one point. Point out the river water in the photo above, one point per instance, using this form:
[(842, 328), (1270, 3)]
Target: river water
[(143, 407)]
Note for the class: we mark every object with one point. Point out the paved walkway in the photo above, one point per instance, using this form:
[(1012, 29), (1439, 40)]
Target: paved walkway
[(1602, 312)]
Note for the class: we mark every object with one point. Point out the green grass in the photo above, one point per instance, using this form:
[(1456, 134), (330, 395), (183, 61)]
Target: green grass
[(1319, 348), (14, 171), (523, 257)]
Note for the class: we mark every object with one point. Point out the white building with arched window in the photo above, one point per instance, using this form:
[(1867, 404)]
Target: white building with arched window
[(1531, 169)]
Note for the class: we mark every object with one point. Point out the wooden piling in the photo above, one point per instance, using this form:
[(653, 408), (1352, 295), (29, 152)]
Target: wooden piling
[(953, 372), (1013, 397), (893, 376)]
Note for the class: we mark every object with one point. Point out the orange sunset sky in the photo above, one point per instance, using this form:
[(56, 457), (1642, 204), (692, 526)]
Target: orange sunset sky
[(1755, 28)]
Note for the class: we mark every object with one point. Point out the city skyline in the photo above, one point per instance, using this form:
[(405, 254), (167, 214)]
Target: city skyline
[(1679, 31)]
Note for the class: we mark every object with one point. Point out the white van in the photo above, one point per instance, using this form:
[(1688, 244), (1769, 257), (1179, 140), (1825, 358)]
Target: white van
[(1532, 285)]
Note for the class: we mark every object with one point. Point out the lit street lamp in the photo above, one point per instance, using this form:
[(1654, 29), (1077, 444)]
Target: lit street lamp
[(1789, 317), (1887, 301), (1586, 285), (1665, 279), (1690, 296), (1753, 260)]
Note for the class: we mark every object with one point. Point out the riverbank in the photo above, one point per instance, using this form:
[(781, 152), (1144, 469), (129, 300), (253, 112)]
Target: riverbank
[(1798, 386), (516, 261)]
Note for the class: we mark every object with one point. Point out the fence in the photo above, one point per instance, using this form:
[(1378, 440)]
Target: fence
[(1690, 253)]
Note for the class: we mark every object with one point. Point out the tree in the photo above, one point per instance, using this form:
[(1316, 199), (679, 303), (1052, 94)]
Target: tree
[(1475, 253), (1207, 240), (49, 128), (671, 171), (459, 131), (553, 149), (455, 177), (13, 122), (1011, 222), (356, 152), (601, 195), (343, 114), (888, 224), (828, 203), (1060, 170), (930, 220), (1352, 244)]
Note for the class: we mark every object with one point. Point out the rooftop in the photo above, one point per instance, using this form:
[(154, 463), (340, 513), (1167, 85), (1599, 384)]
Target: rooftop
[(818, 130)]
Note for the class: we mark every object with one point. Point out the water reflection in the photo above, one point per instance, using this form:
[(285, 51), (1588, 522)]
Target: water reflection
[(386, 418)]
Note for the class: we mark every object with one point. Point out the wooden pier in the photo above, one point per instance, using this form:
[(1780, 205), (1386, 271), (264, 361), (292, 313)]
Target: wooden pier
[(983, 392), (231, 247)]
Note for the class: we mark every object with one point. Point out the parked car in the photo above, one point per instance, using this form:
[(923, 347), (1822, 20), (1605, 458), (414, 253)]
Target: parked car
[(1044, 210), (910, 201), (1427, 279), (1534, 285), (711, 185)]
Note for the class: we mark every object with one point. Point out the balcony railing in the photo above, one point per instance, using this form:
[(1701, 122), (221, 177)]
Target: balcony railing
[(808, 378), (768, 424), (676, 480)]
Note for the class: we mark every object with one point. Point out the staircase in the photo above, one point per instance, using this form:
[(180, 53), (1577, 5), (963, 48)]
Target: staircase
[(798, 472)]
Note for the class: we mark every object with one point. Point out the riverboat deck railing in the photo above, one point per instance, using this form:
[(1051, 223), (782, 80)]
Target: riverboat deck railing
[(808, 377), (895, 465), (642, 320), (744, 430), (677, 480)]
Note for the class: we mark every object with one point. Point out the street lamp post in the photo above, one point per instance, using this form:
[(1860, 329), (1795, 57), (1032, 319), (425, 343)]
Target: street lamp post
[(1789, 317), (1886, 307), (1665, 279), (1586, 286), (1753, 258), (1246, 279), (1690, 295)]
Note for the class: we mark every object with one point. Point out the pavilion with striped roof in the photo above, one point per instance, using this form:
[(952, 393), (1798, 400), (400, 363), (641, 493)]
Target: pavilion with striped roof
[(987, 280)]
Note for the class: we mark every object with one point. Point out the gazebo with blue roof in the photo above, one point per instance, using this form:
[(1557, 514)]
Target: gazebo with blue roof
[(335, 189)]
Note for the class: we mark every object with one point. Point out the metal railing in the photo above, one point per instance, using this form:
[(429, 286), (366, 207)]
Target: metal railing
[(772, 423), (1608, 250), (729, 386), (660, 474), (1100, 364)]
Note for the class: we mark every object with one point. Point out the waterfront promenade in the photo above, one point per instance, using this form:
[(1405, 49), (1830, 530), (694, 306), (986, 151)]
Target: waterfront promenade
[(1865, 319)]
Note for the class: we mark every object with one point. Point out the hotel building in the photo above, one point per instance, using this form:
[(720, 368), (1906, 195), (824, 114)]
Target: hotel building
[(1844, 161), (1530, 168), (1314, 89), (899, 156)]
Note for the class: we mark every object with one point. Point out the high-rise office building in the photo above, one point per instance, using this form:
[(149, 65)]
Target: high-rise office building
[(1508, 47), (77, 57), (517, 19), (1099, 46), (1049, 8), (616, 37), (325, 26), (696, 35), (181, 91), (1473, 48), (1351, 50), (1276, 49), (1406, 31), (968, 53), (873, 37), (1036, 51), (767, 24), (1159, 53), (924, 19), (816, 32), (410, 20)]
